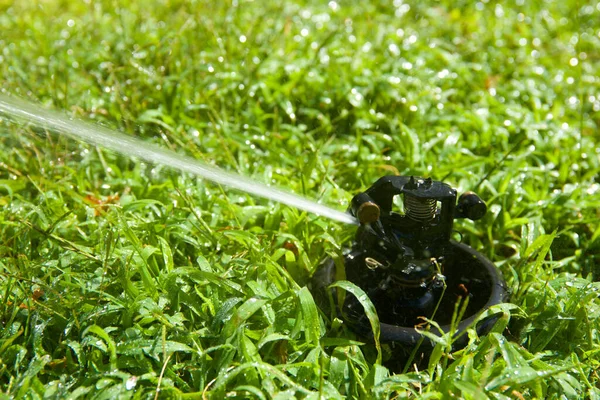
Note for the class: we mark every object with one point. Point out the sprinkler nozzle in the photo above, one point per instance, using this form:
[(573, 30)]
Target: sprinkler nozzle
[(368, 212)]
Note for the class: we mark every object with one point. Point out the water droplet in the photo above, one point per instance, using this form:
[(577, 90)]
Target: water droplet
[(499, 11), (356, 98), (394, 49)]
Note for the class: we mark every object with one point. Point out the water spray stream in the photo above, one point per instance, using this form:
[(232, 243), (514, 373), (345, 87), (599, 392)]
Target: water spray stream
[(131, 146)]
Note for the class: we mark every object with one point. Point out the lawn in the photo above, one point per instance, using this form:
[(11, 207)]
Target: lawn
[(125, 279)]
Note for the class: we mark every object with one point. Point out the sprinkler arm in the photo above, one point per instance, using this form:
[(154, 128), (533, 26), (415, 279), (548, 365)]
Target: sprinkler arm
[(424, 225)]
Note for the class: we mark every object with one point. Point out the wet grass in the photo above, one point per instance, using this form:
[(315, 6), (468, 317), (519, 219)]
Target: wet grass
[(123, 279)]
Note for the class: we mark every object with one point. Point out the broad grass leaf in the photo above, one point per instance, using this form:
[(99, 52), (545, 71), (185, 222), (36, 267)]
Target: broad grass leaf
[(339, 371), (272, 338), (153, 347), (255, 391), (245, 311), (101, 333), (5, 343), (26, 382), (369, 308), (522, 375), (225, 378), (225, 312), (506, 310), (514, 359), (199, 276), (377, 374), (542, 243), (246, 239), (167, 254), (470, 390), (310, 316)]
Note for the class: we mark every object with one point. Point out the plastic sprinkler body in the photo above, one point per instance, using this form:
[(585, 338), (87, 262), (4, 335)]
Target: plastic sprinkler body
[(407, 262)]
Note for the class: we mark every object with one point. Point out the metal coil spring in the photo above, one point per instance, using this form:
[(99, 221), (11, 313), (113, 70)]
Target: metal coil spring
[(419, 209)]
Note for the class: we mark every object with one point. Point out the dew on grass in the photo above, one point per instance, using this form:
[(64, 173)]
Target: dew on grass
[(355, 98), (573, 100)]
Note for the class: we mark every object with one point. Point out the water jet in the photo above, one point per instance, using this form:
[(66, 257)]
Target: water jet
[(134, 147)]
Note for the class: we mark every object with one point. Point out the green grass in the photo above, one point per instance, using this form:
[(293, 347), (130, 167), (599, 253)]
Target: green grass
[(119, 278)]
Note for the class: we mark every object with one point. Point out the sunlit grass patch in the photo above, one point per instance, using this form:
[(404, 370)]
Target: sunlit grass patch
[(121, 278)]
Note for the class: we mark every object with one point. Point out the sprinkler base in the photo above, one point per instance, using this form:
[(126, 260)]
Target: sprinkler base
[(410, 268), (467, 274)]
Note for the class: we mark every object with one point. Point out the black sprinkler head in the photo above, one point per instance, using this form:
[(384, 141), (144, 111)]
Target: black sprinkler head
[(408, 265)]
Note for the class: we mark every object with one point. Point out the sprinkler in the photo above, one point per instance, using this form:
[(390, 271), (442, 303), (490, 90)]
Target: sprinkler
[(407, 263)]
